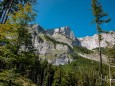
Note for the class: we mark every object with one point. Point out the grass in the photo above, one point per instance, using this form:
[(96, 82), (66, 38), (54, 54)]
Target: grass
[(82, 50)]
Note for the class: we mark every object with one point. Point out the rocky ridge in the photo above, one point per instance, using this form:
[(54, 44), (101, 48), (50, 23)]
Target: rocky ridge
[(91, 42), (48, 46), (56, 45)]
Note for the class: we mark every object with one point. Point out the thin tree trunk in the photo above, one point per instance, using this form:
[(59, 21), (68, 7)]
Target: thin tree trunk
[(100, 56), (1, 12), (3, 16), (109, 74), (6, 12), (6, 18), (10, 83)]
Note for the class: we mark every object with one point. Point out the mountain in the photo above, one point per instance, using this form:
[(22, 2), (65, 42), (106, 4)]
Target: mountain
[(65, 35), (91, 42), (60, 46), (54, 46)]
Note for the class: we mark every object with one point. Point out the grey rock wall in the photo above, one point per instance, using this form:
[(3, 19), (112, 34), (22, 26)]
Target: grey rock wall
[(91, 42)]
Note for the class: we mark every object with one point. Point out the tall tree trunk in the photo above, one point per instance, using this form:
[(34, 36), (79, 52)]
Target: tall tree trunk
[(110, 75), (100, 55), (5, 16), (10, 83), (2, 13)]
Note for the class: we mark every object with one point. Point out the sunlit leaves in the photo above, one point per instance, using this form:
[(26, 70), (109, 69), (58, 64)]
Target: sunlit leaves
[(23, 16), (17, 19)]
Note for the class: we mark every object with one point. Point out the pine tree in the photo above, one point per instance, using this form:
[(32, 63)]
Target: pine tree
[(57, 77)]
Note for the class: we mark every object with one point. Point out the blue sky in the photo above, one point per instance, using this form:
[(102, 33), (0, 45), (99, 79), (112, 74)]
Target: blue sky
[(76, 14)]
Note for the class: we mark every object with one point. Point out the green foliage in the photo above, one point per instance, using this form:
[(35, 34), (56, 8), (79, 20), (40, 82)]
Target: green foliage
[(15, 35), (10, 6), (102, 49), (110, 52), (86, 72), (99, 15), (82, 72), (56, 42), (57, 77), (10, 78), (74, 55), (82, 50)]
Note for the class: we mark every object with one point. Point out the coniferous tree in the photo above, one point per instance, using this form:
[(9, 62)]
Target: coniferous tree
[(57, 77), (99, 14)]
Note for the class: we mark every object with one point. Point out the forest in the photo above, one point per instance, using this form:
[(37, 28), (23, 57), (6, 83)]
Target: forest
[(24, 67)]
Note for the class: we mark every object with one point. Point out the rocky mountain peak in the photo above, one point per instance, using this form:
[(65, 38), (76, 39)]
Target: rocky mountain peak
[(65, 31)]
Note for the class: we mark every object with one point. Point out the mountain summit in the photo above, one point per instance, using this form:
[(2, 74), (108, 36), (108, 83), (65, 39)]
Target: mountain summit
[(66, 31)]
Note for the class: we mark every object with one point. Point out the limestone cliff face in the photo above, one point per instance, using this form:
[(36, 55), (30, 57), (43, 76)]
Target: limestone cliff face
[(66, 31), (91, 42), (64, 34), (56, 48)]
